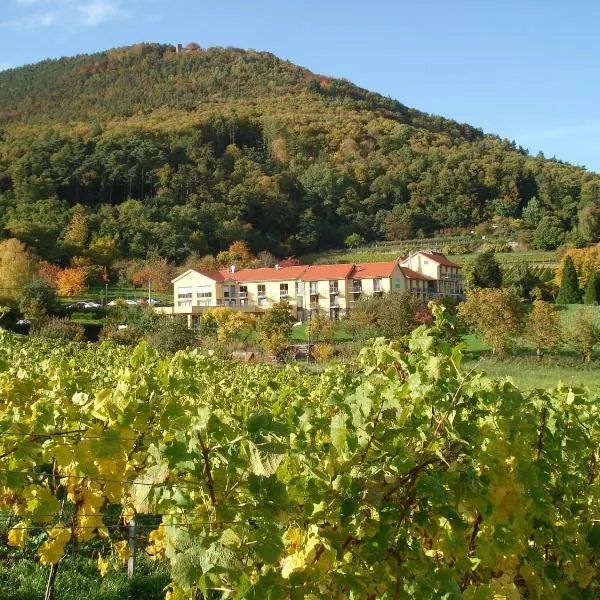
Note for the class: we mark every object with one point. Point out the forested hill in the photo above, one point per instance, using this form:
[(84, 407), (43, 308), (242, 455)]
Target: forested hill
[(149, 150)]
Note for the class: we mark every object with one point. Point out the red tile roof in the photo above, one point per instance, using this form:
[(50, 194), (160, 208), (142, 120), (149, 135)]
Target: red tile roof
[(415, 275), (328, 272), (373, 270), (440, 259), (266, 274)]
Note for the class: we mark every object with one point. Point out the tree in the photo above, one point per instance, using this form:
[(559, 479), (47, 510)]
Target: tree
[(17, 268), (172, 334), (38, 298), (586, 261), (275, 327), (391, 316), (76, 235), (543, 329), (320, 328), (583, 333), (592, 290), (549, 234), (495, 314), (589, 222), (71, 281), (569, 292), (486, 271), (354, 240)]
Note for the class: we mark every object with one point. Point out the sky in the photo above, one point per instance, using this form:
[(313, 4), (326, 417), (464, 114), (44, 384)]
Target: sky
[(523, 69)]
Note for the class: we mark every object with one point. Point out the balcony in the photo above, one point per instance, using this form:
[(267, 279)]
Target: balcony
[(243, 295), (284, 295), (356, 289), (333, 289)]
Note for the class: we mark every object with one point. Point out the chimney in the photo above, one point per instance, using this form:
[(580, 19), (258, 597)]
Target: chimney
[(232, 268), (277, 267), (179, 48)]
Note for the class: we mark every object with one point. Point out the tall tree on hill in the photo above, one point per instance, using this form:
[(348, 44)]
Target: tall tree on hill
[(569, 292), (486, 271), (592, 290)]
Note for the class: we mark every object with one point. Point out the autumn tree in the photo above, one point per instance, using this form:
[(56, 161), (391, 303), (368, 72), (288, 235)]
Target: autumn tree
[(585, 260), (275, 328), (569, 292), (320, 328), (71, 281), (543, 328), (17, 268), (77, 233), (495, 314), (582, 334)]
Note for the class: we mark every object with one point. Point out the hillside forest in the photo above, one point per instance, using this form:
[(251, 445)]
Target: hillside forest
[(142, 151)]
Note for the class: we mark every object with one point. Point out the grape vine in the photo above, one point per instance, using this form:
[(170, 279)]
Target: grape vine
[(403, 476)]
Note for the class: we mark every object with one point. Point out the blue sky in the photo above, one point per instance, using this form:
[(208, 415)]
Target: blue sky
[(524, 69)]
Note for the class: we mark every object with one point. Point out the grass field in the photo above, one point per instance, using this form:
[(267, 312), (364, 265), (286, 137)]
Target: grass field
[(23, 578)]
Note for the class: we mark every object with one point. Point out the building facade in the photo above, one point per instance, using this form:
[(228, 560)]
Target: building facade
[(331, 289)]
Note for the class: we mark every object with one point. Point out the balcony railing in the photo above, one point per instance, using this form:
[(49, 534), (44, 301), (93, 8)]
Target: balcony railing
[(333, 289), (356, 289)]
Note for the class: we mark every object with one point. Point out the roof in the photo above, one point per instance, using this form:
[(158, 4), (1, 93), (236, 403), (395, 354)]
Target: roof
[(440, 259), (374, 269), (328, 272), (415, 275), (214, 275), (266, 274)]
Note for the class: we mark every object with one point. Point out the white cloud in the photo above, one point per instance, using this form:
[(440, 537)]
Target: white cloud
[(69, 14), (98, 11)]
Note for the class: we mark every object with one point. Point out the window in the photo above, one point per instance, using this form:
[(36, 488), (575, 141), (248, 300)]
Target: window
[(333, 287), (283, 290), (299, 288), (377, 285), (243, 291), (357, 286), (204, 295), (313, 288), (184, 296), (262, 290)]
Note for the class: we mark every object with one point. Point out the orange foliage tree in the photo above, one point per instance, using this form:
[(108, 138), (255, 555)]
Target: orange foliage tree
[(71, 281), (48, 272)]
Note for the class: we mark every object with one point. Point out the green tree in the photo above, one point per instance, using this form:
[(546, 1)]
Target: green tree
[(172, 334), (589, 222), (569, 292), (354, 240), (592, 290), (486, 272), (496, 315), (549, 234), (391, 316), (40, 290)]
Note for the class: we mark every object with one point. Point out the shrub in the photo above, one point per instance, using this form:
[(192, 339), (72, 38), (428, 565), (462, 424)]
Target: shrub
[(61, 329), (172, 334), (583, 334), (322, 352)]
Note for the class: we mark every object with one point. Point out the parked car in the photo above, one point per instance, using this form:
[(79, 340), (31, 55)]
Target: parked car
[(23, 322), (83, 304), (121, 301)]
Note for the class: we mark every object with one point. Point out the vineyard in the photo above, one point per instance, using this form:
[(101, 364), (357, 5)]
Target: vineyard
[(404, 475)]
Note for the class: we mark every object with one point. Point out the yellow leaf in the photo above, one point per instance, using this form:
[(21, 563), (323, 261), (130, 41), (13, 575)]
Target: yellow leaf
[(18, 535), (51, 552), (103, 564), (122, 550)]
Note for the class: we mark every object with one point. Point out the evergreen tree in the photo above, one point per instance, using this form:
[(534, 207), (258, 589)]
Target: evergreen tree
[(569, 292), (592, 291), (486, 271)]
